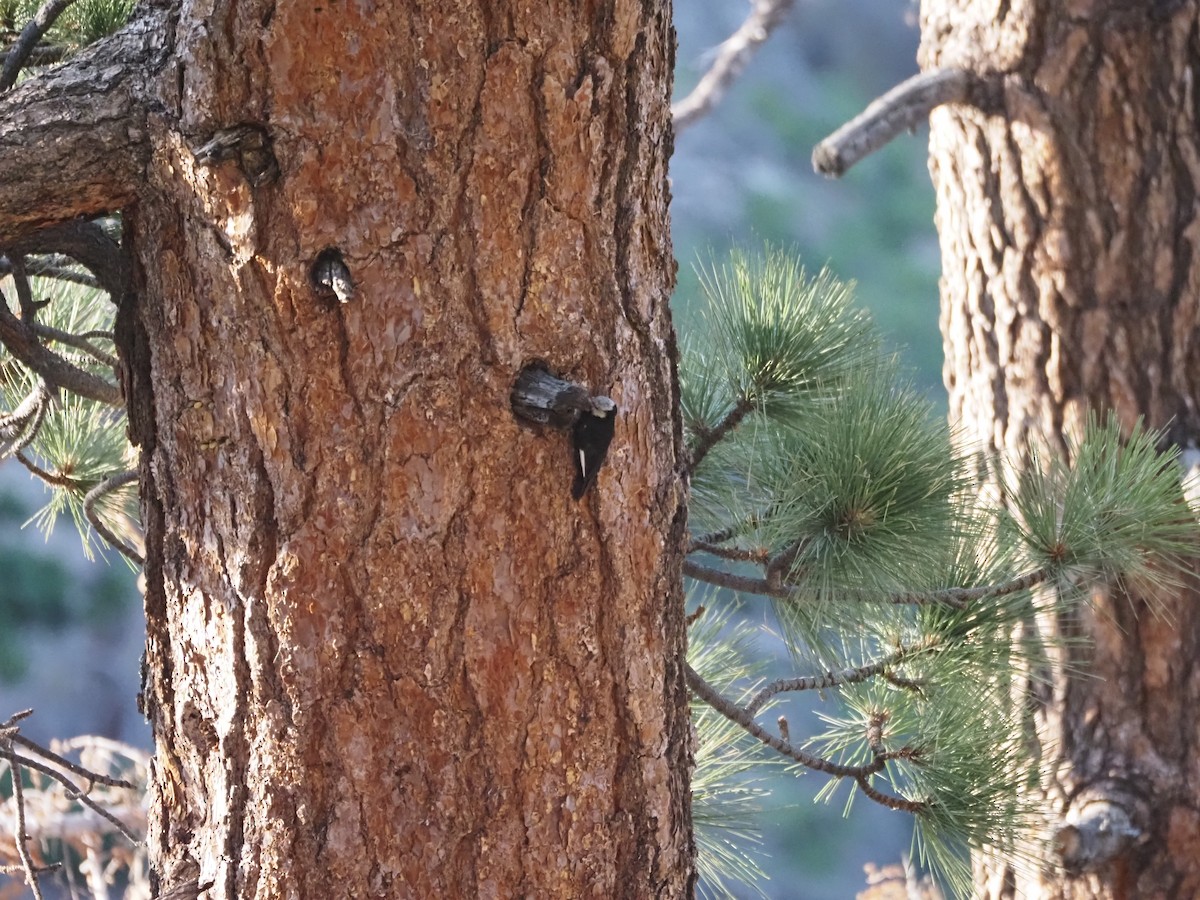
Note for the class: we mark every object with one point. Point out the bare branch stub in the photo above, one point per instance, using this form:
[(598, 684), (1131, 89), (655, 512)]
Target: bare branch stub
[(903, 108), (539, 397), (731, 59)]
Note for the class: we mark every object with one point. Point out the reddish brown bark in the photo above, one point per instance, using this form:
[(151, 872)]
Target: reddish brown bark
[(388, 654), (1067, 215)]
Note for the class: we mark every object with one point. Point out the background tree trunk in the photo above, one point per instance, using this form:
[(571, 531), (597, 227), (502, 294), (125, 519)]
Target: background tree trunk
[(1068, 221), (388, 655)]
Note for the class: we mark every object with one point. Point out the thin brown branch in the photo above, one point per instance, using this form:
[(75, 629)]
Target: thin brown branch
[(901, 109), (781, 563), (23, 343), (31, 877), (30, 35), (74, 769), (903, 683), (15, 718), (60, 272), (89, 509), (956, 598), (24, 293), (818, 682), (727, 534), (733, 554), (730, 61), (78, 341), (54, 478), (19, 427), (742, 717), (710, 437), (898, 803), (72, 791)]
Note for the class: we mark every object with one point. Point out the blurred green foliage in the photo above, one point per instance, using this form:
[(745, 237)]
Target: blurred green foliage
[(39, 592)]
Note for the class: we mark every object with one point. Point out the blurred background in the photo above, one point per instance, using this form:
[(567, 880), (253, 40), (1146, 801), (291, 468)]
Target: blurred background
[(71, 630)]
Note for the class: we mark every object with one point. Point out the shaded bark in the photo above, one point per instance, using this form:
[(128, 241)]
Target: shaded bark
[(74, 141), (387, 654), (1067, 216)]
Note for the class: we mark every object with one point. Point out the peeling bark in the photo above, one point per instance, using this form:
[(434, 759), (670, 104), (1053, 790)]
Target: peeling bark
[(1068, 221)]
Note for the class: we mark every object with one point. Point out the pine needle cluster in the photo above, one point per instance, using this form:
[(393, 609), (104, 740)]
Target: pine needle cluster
[(73, 444), (826, 485)]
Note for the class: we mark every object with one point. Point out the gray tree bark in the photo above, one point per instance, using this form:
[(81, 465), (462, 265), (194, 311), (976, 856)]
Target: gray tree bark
[(1067, 215)]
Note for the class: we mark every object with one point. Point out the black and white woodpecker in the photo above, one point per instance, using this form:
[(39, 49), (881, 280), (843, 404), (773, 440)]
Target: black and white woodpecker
[(590, 438)]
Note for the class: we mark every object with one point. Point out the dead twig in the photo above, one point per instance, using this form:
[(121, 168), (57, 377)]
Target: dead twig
[(901, 109), (731, 59), (31, 873)]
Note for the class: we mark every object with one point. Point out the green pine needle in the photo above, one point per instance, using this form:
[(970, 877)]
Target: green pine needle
[(727, 783), (771, 340), (1117, 510)]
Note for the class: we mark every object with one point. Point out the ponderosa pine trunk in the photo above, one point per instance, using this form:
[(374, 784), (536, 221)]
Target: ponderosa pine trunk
[(388, 655), (1068, 220)]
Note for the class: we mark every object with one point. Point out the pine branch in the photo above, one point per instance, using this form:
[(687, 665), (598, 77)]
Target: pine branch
[(78, 341), (23, 343), (846, 676), (21, 426), (56, 479), (87, 243), (88, 119), (781, 563), (725, 534), (60, 271), (89, 509), (733, 554), (860, 774)]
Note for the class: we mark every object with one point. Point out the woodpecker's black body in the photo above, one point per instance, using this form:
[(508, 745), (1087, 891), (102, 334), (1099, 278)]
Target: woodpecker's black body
[(590, 439)]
